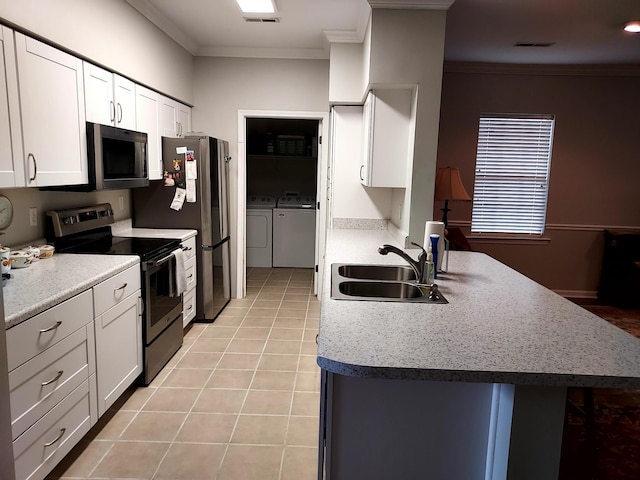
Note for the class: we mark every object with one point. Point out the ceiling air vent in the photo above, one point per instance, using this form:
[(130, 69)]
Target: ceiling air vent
[(261, 20), (533, 44)]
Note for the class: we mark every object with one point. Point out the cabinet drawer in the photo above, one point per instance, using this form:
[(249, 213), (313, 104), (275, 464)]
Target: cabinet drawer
[(39, 384), (189, 248), (190, 272), (108, 293), (29, 338), (188, 306), (43, 445)]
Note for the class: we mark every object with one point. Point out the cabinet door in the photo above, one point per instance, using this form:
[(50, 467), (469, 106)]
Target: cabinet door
[(11, 163), (184, 119), (125, 99), (98, 94), (148, 121), (367, 130), (52, 110), (388, 142), (168, 117), (118, 349)]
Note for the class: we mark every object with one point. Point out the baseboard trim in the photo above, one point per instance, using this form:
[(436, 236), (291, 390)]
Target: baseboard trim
[(581, 294)]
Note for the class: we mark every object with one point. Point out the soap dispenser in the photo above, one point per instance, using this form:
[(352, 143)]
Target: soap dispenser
[(429, 266)]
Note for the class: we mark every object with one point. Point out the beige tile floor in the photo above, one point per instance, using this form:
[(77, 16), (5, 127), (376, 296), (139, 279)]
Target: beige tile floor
[(239, 401)]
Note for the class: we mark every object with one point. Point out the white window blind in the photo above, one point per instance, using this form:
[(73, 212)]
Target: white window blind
[(512, 173)]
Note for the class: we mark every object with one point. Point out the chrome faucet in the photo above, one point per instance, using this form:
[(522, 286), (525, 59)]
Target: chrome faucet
[(418, 266)]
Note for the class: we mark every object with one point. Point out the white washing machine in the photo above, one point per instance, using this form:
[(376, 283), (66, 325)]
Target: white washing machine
[(260, 230), (294, 232)]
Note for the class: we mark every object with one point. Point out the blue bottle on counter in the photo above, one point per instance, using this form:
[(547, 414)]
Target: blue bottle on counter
[(434, 238)]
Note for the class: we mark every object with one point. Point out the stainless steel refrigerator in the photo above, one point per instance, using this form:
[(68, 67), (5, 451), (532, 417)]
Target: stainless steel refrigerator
[(208, 214)]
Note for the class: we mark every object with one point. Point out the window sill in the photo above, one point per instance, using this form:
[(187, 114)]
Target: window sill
[(508, 239)]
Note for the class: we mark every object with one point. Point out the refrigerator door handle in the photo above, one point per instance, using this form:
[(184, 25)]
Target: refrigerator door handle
[(206, 247)]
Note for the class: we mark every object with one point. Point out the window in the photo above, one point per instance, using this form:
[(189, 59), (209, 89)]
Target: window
[(512, 174)]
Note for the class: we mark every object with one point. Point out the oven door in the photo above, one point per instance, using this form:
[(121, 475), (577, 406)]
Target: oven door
[(161, 306)]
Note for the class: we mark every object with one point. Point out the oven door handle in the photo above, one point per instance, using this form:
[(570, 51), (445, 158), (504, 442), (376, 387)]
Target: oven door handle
[(157, 263)]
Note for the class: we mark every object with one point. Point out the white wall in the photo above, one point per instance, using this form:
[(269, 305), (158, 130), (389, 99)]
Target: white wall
[(350, 198), (111, 33), (223, 86), (407, 48)]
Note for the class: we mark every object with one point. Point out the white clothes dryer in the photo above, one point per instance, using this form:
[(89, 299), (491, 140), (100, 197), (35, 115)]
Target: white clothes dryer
[(260, 231)]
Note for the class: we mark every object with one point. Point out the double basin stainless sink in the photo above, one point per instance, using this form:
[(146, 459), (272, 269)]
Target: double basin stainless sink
[(382, 283)]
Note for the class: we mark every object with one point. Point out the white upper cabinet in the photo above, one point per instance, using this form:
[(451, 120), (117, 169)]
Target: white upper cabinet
[(11, 162), (52, 114), (175, 118), (148, 121), (110, 98), (387, 125)]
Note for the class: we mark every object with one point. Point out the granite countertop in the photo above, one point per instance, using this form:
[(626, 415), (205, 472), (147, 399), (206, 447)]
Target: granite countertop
[(498, 327), (124, 229), (50, 281)]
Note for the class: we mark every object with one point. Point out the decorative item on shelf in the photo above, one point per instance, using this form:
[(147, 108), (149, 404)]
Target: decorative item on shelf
[(449, 187)]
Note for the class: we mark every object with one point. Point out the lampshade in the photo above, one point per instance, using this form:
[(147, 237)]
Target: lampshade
[(449, 185)]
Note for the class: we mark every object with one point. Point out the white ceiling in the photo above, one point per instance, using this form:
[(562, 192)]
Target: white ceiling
[(583, 31)]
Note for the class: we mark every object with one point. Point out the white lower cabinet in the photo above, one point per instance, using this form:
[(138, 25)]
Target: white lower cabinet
[(118, 336), (118, 349), (190, 270), (68, 365), (52, 387)]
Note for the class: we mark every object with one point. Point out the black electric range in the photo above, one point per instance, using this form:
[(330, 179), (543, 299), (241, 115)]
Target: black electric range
[(88, 231)]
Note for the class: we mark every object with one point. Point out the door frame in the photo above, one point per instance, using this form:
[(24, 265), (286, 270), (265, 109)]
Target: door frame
[(321, 186)]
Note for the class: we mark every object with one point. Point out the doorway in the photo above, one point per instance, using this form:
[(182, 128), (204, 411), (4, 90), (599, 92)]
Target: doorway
[(280, 192)]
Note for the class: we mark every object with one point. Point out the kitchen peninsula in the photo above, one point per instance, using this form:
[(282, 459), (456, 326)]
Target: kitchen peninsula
[(472, 389)]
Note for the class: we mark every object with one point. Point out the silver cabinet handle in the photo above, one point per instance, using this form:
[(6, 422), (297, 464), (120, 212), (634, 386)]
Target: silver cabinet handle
[(35, 166), (52, 327), (122, 287), (190, 276), (62, 430), (177, 129), (186, 249), (48, 382), (361, 177), (112, 111), (119, 113), (190, 307)]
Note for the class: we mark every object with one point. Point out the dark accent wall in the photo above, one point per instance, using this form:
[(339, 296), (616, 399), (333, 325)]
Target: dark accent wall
[(595, 165)]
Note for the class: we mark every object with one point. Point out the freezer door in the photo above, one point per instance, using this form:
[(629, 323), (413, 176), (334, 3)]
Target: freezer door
[(217, 280)]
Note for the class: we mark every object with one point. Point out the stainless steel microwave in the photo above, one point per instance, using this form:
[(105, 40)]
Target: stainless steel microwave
[(117, 158)]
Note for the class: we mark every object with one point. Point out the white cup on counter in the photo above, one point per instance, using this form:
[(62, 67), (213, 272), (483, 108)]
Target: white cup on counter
[(5, 259)]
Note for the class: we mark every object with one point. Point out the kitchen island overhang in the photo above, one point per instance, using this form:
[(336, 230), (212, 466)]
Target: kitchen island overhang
[(504, 348)]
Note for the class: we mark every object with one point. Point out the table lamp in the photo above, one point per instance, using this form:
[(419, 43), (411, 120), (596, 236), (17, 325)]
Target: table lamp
[(449, 187)]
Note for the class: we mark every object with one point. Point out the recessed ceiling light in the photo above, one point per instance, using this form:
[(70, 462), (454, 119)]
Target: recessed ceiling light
[(257, 6), (633, 27)]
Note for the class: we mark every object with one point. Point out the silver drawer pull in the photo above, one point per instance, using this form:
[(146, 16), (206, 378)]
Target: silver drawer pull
[(52, 327), (124, 285), (62, 430), (190, 307), (190, 276), (48, 382), (186, 249)]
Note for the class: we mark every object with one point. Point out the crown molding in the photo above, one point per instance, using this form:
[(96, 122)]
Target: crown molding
[(256, 52), (159, 20), (538, 69), (351, 36), (412, 4)]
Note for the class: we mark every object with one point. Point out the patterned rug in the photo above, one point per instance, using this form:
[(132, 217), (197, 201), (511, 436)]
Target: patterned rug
[(609, 447)]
